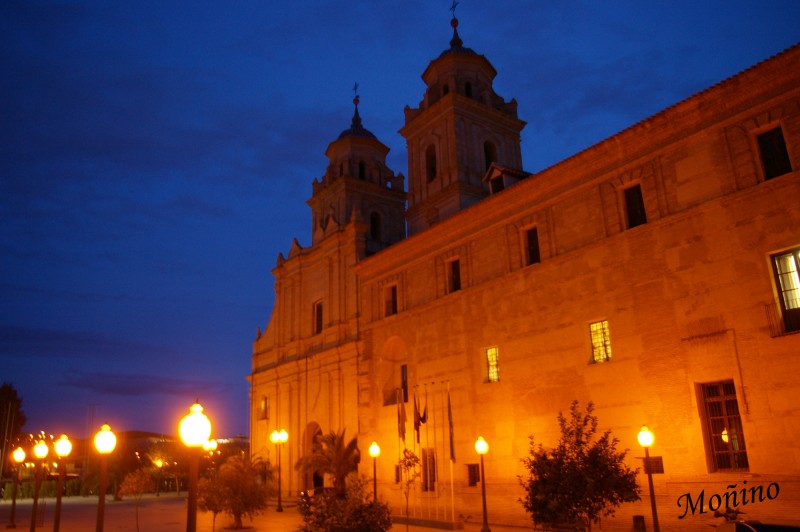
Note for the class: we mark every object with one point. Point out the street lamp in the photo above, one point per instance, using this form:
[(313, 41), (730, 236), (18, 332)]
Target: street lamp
[(40, 451), (646, 438), (481, 447), (19, 457), (195, 429), (63, 448), (104, 441), (279, 438), (374, 452)]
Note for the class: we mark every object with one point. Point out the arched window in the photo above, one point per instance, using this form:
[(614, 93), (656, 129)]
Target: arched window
[(489, 153), (445, 90), (375, 226), (430, 163), (362, 172), (468, 89)]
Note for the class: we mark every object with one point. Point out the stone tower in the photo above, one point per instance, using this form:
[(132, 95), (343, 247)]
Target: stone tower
[(359, 188), (461, 128)]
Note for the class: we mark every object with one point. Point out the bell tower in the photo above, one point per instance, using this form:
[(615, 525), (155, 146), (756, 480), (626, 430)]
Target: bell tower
[(358, 188), (459, 130)]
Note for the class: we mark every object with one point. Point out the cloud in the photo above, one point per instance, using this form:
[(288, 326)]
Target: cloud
[(138, 384)]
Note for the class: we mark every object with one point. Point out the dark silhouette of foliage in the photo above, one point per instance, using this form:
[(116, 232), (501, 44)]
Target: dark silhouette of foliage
[(355, 511), (211, 498), (331, 455), (238, 487), (135, 484), (579, 480)]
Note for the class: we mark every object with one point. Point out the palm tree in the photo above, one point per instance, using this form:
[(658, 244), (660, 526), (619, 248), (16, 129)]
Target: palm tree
[(333, 456)]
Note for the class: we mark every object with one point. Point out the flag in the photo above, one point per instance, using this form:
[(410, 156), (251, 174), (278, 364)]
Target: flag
[(450, 423), (417, 420), (401, 415)]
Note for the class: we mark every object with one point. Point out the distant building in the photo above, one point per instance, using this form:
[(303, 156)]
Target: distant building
[(655, 274)]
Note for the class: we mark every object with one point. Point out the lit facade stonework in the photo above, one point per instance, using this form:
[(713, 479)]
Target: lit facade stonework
[(651, 274)]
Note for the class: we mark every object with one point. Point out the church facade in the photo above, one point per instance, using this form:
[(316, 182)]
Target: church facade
[(654, 274)]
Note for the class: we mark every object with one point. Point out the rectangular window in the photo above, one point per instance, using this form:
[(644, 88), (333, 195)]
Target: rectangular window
[(453, 276), (724, 427), (318, 317), (398, 474), (774, 156), (532, 244), (634, 206), (786, 267), (492, 363), (601, 341), (263, 408), (428, 470), (473, 474), (390, 300)]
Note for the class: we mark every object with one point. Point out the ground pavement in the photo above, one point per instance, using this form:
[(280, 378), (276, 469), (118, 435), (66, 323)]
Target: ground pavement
[(165, 513)]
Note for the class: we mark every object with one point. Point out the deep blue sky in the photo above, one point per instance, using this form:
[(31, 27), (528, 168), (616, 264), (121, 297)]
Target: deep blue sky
[(156, 157)]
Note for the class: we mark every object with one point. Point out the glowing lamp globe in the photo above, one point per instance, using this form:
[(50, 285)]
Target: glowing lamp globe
[(195, 427), (645, 437), (63, 446), (374, 450), (279, 436), (481, 447), (210, 446), (105, 440), (40, 450), (19, 455)]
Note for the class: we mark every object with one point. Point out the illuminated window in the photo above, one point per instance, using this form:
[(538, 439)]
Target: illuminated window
[(774, 156), (473, 474), (390, 300), (634, 206), (453, 276), (532, 255), (786, 267), (263, 408), (317, 317), (492, 364), (601, 341), (724, 427)]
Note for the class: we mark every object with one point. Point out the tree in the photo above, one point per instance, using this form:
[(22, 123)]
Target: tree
[(579, 480), (212, 498), (244, 494), (12, 419), (332, 456), (137, 483), (327, 512), (408, 466)]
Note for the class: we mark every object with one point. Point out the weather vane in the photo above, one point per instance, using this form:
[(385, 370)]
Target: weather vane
[(453, 8), (355, 90)]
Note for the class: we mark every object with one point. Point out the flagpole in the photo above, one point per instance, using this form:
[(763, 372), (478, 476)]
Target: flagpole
[(435, 452), (452, 457)]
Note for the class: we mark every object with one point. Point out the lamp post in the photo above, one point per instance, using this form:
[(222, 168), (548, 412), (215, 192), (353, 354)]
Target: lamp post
[(481, 447), (40, 451), (63, 448), (374, 452), (104, 441), (195, 430), (279, 437), (646, 438), (19, 457)]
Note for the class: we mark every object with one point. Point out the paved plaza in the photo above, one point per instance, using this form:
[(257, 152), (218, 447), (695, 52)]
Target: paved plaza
[(166, 513)]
